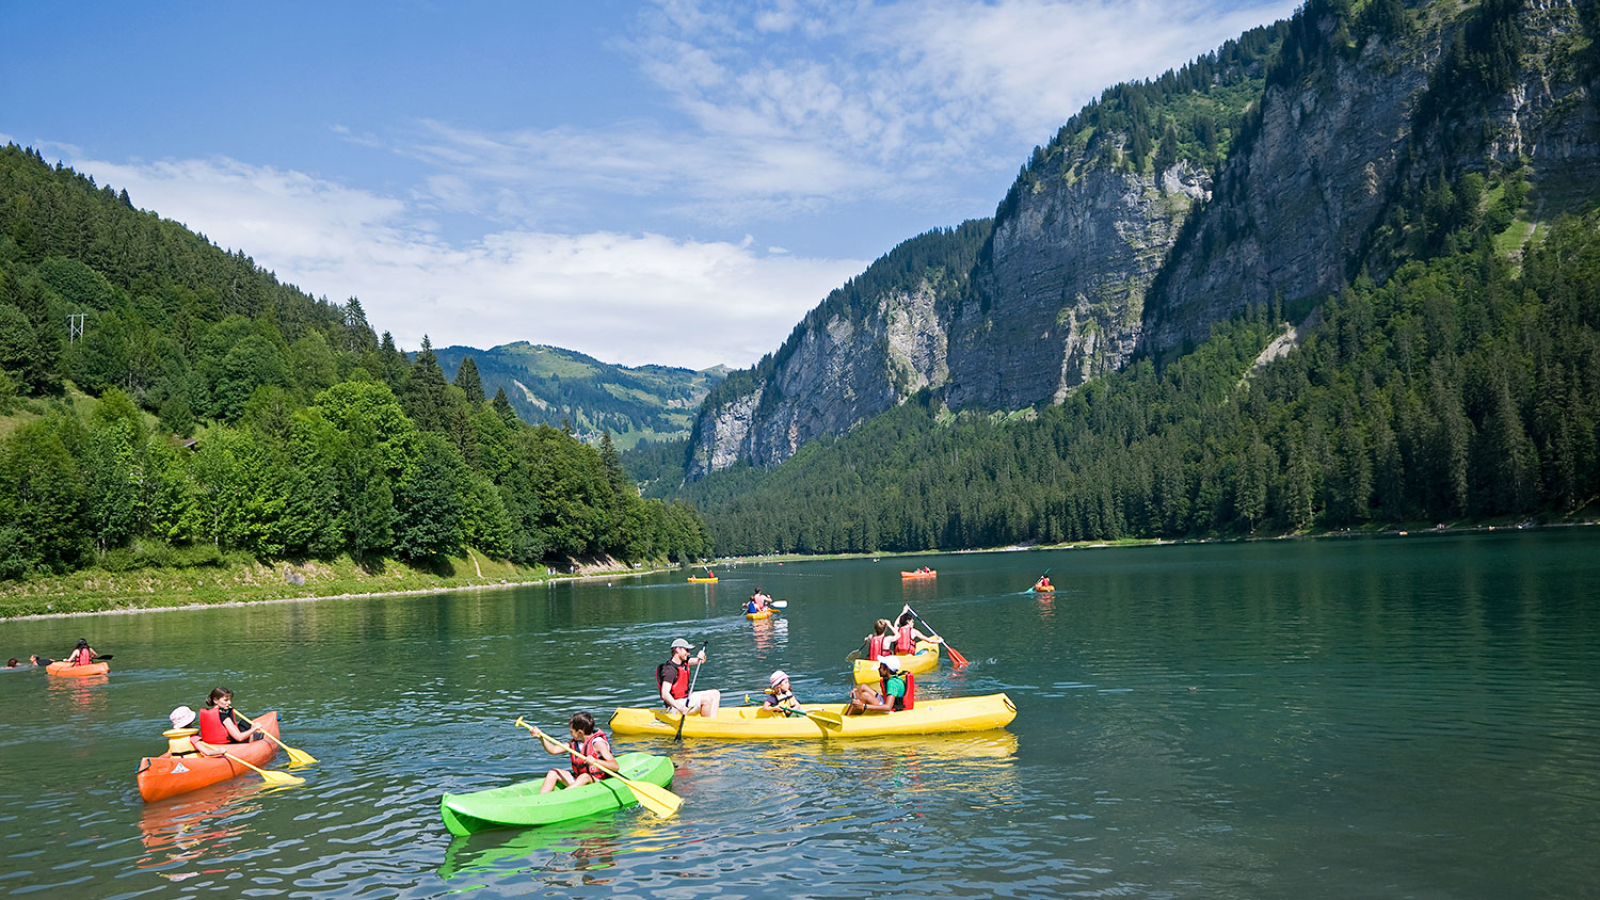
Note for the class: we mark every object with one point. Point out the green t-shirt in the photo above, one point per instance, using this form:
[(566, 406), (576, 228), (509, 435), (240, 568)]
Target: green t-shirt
[(895, 686)]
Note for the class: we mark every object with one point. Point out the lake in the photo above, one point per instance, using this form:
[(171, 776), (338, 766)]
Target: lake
[(1368, 717)]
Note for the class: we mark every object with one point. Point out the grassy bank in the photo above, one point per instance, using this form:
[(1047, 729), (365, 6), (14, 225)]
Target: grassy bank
[(239, 580)]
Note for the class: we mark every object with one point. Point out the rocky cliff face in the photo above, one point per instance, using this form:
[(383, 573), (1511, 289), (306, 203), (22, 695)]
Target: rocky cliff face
[(1062, 297), (1297, 202), (1092, 261)]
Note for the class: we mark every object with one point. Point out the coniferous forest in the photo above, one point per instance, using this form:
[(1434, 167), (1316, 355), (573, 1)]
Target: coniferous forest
[(1462, 388), (230, 413)]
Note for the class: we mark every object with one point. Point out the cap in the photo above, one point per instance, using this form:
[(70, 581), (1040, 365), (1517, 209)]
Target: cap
[(778, 676), (680, 642), (181, 717), (890, 663)]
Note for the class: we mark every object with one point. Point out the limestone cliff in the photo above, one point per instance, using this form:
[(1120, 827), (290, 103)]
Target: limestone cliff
[(1108, 246)]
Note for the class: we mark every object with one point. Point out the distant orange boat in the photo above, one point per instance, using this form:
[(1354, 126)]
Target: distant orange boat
[(931, 573)]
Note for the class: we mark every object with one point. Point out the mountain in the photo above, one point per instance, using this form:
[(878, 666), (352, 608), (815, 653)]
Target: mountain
[(1269, 173), (552, 386)]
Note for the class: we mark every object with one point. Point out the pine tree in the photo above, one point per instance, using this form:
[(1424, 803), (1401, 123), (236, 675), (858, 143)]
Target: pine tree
[(467, 379)]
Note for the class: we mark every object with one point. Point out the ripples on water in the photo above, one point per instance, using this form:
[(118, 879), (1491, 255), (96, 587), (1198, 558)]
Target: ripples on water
[(1325, 719)]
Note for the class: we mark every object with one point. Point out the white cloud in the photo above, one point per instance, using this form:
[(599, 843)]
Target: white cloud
[(796, 106), (624, 298)]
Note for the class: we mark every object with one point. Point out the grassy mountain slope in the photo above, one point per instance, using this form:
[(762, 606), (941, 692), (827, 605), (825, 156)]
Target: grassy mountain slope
[(549, 386)]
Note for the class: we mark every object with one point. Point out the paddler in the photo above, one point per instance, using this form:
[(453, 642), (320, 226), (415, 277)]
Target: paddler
[(1043, 584), (906, 634), (881, 642), (758, 602), (672, 683), (586, 739), (780, 694), (897, 691), (217, 722), (83, 654)]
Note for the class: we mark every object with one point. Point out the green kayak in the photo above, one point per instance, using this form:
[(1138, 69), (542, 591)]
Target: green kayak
[(522, 806)]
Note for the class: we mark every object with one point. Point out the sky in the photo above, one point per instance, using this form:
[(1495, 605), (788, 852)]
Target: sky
[(673, 182)]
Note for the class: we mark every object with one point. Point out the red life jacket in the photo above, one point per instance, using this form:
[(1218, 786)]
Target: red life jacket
[(82, 656), (903, 644), (680, 685), (881, 645), (901, 703), (212, 731), (581, 767)]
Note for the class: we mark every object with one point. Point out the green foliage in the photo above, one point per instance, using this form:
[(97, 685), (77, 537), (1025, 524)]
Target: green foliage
[(302, 448), (1453, 390)]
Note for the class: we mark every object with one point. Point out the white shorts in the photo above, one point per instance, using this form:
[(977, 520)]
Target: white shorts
[(695, 699)]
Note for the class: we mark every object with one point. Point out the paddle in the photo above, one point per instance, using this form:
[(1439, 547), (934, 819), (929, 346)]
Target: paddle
[(957, 658), (657, 799), (296, 757), (682, 718), (830, 719), (273, 778), (780, 604), (105, 656), (855, 654)]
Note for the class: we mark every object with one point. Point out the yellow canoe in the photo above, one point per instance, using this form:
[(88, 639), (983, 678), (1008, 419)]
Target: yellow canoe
[(764, 614), (754, 723), (926, 659), (711, 580)]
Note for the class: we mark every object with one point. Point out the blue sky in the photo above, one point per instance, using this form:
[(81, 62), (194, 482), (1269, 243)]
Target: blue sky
[(670, 182)]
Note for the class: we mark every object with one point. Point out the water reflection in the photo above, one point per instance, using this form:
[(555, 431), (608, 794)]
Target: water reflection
[(196, 825)]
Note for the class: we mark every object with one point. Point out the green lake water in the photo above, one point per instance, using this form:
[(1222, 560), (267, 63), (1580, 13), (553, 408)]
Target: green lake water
[(1407, 717)]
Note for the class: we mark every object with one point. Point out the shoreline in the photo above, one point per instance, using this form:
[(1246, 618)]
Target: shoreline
[(346, 595), (736, 561)]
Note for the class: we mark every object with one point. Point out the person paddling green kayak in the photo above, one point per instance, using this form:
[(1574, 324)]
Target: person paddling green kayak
[(586, 739)]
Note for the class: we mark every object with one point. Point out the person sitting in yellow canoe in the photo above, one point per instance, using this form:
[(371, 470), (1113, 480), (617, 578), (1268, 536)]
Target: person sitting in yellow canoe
[(897, 691), (673, 682), (758, 602), (906, 634), (780, 695), (586, 739), (881, 642)]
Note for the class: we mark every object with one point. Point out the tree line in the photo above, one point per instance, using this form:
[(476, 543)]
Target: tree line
[(307, 434), (1462, 388)]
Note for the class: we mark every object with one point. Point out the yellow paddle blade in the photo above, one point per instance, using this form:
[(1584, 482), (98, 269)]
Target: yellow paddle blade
[(299, 757), (270, 777), (831, 719), (658, 800)]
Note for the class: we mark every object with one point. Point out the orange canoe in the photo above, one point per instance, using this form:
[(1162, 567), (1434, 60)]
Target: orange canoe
[(68, 670), (163, 776), (905, 574)]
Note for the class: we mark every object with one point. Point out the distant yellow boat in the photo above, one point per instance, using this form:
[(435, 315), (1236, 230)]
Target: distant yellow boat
[(694, 580), (982, 713)]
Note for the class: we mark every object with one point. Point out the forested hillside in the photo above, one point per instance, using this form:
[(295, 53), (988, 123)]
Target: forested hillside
[(563, 388), (1461, 388), (308, 436)]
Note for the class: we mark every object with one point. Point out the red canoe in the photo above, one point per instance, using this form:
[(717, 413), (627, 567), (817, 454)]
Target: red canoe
[(64, 668), (163, 776)]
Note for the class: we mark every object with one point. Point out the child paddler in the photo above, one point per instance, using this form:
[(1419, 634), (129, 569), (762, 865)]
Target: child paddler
[(896, 691), (586, 739), (780, 694)]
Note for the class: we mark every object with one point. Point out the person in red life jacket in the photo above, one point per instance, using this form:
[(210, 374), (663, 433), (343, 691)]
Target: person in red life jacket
[(906, 634), (881, 642), (897, 691), (586, 739), (83, 654), (1043, 584), (672, 683), (218, 724)]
